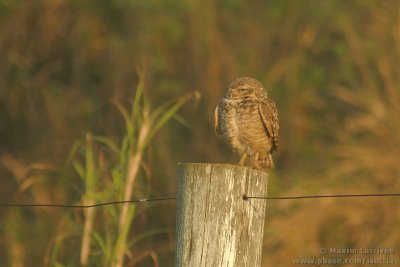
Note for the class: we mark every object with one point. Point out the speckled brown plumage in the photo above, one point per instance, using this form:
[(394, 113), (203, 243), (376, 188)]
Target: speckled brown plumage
[(247, 120)]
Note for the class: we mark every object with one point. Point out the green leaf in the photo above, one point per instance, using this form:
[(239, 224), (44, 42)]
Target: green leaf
[(79, 169), (108, 142)]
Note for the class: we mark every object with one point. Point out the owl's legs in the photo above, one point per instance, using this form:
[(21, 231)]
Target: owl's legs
[(243, 159), (255, 161)]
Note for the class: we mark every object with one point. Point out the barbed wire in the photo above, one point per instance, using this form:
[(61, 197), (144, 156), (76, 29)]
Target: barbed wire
[(245, 197)]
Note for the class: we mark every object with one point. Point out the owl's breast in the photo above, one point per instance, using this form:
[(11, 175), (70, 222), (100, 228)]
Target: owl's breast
[(228, 125), (241, 126)]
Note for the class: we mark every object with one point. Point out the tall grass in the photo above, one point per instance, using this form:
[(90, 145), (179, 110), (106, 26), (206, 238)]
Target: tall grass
[(109, 170), (357, 135), (369, 136)]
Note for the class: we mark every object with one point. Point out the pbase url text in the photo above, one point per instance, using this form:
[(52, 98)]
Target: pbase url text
[(340, 261)]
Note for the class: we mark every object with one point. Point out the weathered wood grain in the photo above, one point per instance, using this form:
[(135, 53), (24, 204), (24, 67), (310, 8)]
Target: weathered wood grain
[(215, 226)]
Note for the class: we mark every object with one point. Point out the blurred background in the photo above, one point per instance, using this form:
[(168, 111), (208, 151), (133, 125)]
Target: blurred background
[(68, 67)]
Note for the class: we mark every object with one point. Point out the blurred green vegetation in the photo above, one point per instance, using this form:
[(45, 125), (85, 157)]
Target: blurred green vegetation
[(333, 68)]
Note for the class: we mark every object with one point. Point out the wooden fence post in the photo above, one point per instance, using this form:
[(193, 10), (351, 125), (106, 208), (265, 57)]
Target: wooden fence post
[(215, 225)]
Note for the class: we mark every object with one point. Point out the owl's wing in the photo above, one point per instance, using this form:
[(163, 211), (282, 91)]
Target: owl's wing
[(269, 116), (216, 120)]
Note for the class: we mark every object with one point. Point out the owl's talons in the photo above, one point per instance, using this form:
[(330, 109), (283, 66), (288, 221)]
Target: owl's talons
[(242, 160), (257, 165), (255, 162)]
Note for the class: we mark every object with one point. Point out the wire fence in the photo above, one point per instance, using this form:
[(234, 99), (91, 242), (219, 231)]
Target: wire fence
[(245, 197)]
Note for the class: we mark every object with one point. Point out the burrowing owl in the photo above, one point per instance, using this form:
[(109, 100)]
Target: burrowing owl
[(247, 120)]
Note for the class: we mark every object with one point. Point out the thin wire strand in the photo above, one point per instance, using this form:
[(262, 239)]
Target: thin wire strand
[(89, 206), (324, 196), (174, 198)]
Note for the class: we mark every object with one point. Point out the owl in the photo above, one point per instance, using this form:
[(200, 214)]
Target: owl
[(247, 120)]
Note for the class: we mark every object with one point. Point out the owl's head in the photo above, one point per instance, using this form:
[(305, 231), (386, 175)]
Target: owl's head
[(245, 87)]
